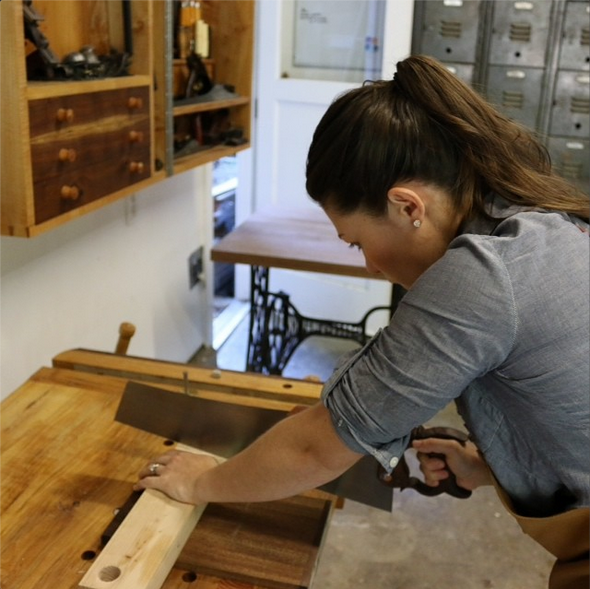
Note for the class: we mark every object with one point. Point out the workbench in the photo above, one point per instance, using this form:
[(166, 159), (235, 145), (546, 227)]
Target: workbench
[(293, 239), (68, 467)]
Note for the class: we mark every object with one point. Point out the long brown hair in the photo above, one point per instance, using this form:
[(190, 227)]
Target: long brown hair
[(428, 125)]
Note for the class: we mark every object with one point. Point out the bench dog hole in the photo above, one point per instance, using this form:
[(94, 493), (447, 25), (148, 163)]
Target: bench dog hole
[(88, 555), (189, 577), (109, 574)]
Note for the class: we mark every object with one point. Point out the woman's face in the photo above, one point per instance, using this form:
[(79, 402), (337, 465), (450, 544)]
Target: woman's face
[(393, 246)]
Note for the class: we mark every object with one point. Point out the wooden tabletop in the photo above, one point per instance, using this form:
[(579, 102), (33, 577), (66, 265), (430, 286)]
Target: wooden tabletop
[(67, 466), (295, 239)]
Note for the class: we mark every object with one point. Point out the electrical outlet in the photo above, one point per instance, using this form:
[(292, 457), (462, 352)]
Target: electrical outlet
[(195, 267)]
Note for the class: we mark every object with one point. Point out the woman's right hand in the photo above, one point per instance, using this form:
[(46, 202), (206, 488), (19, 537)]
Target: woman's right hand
[(466, 463)]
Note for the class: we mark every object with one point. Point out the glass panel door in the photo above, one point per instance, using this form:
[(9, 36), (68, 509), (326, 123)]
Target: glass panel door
[(332, 40)]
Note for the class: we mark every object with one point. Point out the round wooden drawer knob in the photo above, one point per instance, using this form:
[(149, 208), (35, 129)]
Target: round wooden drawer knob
[(134, 102), (135, 136), (136, 167), (65, 115), (67, 155), (70, 192)]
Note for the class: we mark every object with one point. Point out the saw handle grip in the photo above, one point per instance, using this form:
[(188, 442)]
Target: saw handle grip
[(400, 477), (449, 485)]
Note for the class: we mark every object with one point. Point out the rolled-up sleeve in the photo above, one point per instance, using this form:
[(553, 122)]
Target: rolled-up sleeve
[(457, 323)]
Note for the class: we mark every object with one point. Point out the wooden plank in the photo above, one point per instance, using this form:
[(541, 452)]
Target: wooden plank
[(232, 46), (199, 379), (16, 182), (266, 237), (144, 549), (197, 107), (41, 90), (182, 164)]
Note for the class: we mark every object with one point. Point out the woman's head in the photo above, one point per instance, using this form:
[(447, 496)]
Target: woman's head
[(371, 139), (427, 126)]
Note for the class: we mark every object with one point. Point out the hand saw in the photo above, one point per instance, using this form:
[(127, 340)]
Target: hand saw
[(225, 428)]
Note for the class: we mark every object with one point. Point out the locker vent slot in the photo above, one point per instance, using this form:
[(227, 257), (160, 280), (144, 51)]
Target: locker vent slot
[(585, 36), (579, 105), (520, 32), (512, 99), (450, 29), (571, 170)]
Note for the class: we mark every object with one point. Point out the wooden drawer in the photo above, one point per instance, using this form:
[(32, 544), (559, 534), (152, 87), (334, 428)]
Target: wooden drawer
[(101, 145), (62, 153), (81, 113), (60, 194)]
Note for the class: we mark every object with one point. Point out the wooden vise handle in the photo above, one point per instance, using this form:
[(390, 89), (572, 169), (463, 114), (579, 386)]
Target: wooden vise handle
[(126, 331)]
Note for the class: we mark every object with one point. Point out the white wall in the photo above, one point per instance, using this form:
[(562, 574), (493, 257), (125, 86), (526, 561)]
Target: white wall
[(74, 285)]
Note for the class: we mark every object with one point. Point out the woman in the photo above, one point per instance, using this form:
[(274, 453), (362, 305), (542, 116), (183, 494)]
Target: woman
[(458, 205)]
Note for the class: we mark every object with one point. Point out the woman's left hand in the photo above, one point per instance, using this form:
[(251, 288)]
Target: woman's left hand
[(176, 474)]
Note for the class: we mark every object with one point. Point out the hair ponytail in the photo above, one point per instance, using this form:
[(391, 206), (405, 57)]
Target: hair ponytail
[(428, 125), (504, 154)]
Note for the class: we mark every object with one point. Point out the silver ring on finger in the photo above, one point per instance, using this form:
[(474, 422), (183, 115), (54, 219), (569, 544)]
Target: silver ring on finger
[(154, 468)]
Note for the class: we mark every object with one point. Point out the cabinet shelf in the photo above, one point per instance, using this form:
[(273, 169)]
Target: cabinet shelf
[(36, 90), (206, 155), (188, 109)]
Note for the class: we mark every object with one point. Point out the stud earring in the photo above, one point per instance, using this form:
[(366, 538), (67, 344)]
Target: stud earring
[(417, 223)]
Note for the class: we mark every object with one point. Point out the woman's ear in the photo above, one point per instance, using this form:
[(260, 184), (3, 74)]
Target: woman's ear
[(406, 204)]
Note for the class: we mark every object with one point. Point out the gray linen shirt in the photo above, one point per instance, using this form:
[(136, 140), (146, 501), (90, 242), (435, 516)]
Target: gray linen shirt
[(500, 324)]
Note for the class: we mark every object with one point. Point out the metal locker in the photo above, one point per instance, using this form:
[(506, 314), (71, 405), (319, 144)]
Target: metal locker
[(570, 115), (571, 159), (516, 92), (520, 31), (574, 50), (449, 30), (464, 71)]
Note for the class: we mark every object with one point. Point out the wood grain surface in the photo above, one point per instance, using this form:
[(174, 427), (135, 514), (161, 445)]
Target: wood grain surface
[(67, 466), (296, 239), (206, 382), (275, 543)]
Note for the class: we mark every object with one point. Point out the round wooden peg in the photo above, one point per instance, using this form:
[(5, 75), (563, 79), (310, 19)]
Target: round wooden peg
[(65, 115), (135, 136), (70, 192), (67, 155), (126, 332), (134, 102), (136, 167)]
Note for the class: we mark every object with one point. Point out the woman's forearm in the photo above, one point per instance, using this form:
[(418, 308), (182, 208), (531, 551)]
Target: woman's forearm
[(282, 463), (300, 453)]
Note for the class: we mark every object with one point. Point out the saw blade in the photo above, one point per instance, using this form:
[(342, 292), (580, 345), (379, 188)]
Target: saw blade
[(224, 429)]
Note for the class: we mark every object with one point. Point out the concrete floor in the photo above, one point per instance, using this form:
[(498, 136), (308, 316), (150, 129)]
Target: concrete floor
[(424, 543)]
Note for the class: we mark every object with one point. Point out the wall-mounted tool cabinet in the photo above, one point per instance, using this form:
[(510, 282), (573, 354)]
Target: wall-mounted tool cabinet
[(206, 127), (529, 58), (89, 101), (72, 141)]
